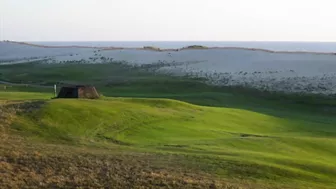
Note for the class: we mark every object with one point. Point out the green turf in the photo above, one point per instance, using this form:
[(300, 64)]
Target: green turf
[(24, 95), (229, 142), (231, 132), (119, 80)]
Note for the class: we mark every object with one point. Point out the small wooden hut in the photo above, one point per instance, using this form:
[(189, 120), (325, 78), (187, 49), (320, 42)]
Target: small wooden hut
[(78, 91)]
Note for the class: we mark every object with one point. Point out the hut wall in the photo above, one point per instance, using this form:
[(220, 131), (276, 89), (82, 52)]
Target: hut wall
[(68, 92), (88, 92)]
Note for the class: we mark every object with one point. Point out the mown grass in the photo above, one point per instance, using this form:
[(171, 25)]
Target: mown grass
[(23, 95), (226, 142), (237, 138), (117, 79)]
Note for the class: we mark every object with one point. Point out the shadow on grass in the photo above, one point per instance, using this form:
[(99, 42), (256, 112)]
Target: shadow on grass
[(121, 80)]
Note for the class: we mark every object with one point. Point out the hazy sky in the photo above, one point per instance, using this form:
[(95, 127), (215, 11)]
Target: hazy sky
[(186, 20)]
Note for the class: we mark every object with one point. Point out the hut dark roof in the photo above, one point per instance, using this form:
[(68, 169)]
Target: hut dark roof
[(78, 91)]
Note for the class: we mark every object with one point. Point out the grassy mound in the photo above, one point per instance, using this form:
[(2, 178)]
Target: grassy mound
[(195, 47), (227, 137), (152, 48), (225, 141)]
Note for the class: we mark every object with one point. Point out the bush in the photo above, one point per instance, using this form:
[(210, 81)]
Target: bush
[(195, 47), (152, 48)]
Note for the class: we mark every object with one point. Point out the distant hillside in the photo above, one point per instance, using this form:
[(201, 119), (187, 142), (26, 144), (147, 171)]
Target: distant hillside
[(163, 49), (290, 72)]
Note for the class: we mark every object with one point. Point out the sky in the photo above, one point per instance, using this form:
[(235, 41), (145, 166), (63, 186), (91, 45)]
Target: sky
[(168, 20)]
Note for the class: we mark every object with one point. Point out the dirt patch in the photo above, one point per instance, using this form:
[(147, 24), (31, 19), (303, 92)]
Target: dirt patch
[(176, 145), (244, 135), (247, 135), (24, 107), (115, 141)]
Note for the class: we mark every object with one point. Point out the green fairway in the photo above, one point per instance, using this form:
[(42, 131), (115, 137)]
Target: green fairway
[(23, 95), (272, 148), (253, 139)]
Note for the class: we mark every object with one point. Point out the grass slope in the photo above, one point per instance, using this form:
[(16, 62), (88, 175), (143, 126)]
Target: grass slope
[(224, 141), (249, 138)]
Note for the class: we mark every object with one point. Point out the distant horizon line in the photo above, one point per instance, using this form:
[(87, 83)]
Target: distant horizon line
[(172, 41), (188, 47)]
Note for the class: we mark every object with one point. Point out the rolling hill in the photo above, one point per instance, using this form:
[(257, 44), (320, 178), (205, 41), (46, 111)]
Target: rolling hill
[(151, 130)]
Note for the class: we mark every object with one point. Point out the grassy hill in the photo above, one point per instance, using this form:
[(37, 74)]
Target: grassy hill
[(208, 137)]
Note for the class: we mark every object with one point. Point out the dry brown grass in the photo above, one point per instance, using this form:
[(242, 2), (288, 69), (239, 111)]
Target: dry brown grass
[(25, 164)]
